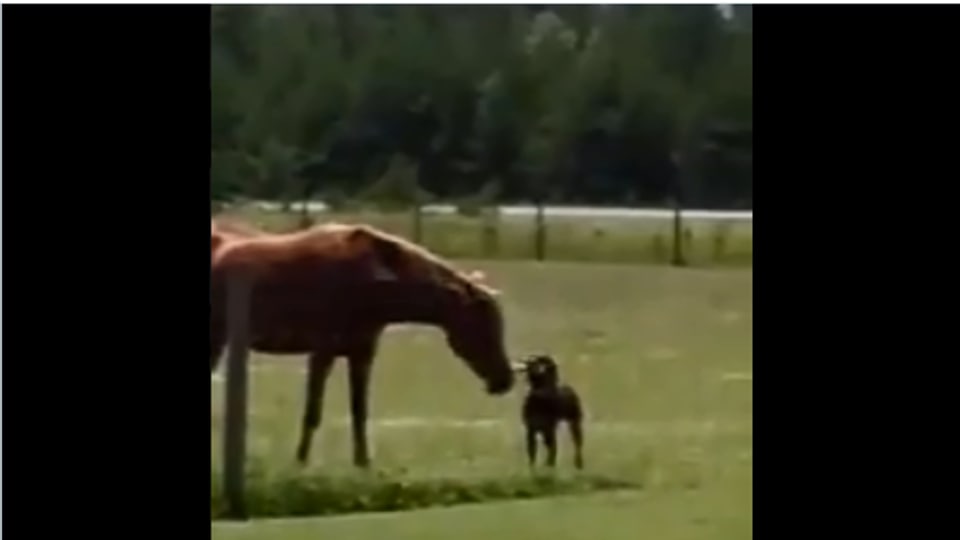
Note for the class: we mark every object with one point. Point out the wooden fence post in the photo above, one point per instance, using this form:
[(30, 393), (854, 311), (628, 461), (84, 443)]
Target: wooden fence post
[(235, 402), (540, 232), (681, 160), (417, 222)]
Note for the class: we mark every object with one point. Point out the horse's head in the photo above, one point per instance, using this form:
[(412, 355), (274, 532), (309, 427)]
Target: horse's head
[(434, 292), (474, 329)]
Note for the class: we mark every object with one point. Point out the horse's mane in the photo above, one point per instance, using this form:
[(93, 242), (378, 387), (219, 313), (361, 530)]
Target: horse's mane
[(437, 267), (440, 268), (446, 271)]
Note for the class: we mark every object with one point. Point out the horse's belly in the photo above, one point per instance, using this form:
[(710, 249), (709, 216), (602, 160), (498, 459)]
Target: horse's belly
[(282, 342), (277, 348), (297, 337)]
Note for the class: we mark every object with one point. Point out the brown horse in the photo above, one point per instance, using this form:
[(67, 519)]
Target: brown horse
[(331, 290)]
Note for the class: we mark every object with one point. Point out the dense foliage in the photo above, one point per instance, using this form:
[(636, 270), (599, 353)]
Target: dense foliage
[(586, 104)]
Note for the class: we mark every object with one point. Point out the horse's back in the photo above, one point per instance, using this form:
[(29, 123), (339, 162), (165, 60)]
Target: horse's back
[(321, 268), (291, 249)]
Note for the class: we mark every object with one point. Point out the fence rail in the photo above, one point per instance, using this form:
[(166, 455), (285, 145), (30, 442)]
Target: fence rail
[(550, 211), (566, 233)]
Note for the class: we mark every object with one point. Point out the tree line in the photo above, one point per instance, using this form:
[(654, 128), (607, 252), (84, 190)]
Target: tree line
[(578, 104)]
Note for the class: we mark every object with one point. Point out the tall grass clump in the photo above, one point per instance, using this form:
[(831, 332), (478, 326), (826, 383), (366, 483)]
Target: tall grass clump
[(297, 494)]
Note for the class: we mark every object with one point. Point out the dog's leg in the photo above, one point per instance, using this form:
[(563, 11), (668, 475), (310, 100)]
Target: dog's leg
[(531, 446), (576, 433), (550, 439)]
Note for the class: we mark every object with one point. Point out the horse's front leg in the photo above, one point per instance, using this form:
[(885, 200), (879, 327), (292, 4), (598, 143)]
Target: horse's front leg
[(318, 369), (360, 365)]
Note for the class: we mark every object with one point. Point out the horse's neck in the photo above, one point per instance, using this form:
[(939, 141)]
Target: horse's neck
[(400, 304)]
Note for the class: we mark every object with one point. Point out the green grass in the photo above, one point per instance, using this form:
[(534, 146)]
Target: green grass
[(662, 357), (675, 515), (585, 240)]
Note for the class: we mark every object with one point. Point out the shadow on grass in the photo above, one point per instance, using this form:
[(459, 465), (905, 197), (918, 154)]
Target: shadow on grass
[(295, 494)]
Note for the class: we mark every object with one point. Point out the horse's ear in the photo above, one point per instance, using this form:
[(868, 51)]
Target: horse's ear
[(491, 291), (479, 279), (477, 276)]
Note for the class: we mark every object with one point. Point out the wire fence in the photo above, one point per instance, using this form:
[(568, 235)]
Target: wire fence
[(649, 236)]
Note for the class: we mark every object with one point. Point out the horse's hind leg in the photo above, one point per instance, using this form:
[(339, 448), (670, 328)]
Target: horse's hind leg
[(217, 343), (216, 349), (318, 369)]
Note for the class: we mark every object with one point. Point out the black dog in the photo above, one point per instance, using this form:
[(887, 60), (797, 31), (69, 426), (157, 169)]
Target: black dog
[(547, 404)]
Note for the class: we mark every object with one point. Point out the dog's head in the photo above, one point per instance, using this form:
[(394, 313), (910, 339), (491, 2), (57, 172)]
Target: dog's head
[(540, 369)]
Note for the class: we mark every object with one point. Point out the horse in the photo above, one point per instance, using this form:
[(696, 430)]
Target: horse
[(331, 290)]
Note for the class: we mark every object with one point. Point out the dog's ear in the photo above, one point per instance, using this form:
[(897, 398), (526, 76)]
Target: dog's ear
[(547, 361), (551, 370)]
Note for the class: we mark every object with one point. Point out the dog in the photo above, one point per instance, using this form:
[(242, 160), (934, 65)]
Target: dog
[(547, 404)]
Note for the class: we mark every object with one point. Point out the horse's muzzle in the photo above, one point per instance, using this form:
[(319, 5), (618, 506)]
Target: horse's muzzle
[(500, 386)]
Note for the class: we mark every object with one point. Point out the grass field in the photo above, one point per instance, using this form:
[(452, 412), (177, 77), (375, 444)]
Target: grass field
[(600, 239), (663, 359)]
